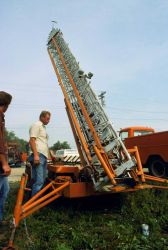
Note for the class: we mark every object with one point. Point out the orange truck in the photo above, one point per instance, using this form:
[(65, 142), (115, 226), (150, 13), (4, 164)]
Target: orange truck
[(152, 146)]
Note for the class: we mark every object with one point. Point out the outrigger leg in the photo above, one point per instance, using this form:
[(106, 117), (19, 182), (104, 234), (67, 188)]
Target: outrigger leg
[(54, 191)]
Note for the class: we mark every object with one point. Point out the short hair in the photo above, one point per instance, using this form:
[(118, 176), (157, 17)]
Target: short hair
[(5, 98), (44, 113)]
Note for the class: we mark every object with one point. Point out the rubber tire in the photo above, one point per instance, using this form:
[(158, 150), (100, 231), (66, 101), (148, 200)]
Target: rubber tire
[(157, 167)]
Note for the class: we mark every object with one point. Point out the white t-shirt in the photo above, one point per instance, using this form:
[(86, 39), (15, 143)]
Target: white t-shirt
[(38, 131)]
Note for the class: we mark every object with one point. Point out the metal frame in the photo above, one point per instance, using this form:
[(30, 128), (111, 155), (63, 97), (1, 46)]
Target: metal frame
[(100, 136)]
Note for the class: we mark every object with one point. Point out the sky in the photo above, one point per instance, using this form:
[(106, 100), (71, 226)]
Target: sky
[(124, 43)]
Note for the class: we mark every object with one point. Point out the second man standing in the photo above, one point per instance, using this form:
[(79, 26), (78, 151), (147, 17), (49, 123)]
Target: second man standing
[(40, 151)]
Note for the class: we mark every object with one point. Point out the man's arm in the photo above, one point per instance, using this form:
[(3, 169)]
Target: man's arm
[(51, 155), (34, 149), (34, 132), (5, 166), (3, 156)]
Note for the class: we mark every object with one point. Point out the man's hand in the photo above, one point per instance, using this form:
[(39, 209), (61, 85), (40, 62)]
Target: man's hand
[(53, 159), (52, 156), (34, 149), (36, 160), (6, 169)]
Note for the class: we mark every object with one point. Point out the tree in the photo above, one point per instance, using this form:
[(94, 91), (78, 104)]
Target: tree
[(11, 137), (60, 145)]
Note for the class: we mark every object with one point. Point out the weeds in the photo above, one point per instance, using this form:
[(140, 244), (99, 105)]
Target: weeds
[(113, 222)]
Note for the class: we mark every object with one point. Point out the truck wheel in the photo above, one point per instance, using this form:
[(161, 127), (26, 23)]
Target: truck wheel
[(157, 168)]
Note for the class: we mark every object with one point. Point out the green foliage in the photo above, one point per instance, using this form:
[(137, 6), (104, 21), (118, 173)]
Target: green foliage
[(90, 225), (11, 137), (60, 145)]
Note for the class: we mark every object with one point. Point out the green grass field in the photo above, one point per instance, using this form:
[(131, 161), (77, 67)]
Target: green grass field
[(111, 222)]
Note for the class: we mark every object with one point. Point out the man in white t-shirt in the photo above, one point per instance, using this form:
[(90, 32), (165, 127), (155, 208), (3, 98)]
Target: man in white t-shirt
[(40, 151)]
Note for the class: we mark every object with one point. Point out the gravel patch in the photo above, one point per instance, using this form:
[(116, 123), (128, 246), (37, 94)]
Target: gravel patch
[(16, 174)]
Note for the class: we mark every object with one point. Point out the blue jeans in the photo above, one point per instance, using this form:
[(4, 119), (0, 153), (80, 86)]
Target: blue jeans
[(4, 190), (39, 173)]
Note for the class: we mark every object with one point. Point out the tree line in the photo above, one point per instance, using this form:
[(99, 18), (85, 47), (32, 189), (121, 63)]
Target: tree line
[(11, 137)]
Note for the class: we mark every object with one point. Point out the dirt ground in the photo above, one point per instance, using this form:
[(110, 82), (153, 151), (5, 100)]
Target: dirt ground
[(16, 174)]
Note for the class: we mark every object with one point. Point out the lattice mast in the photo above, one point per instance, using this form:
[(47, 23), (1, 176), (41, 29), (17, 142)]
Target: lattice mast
[(103, 152)]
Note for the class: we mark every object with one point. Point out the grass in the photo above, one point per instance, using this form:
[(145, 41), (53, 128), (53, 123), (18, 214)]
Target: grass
[(110, 222)]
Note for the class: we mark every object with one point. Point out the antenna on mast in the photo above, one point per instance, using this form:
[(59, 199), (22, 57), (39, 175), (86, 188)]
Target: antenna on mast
[(53, 24)]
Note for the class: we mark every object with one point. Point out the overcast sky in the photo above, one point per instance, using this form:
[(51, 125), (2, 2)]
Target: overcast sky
[(123, 42)]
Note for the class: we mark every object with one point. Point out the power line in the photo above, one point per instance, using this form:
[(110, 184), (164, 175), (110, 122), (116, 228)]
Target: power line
[(36, 107), (27, 127), (141, 119), (60, 106), (141, 111)]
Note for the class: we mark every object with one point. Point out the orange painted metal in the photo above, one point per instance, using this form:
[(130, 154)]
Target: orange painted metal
[(121, 189), (75, 122), (18, 207), (79, 189), (154, 144), (88, 120), (83, 161), (36, 202), (34, 209), (153, 178), (63, 169), (103, 163), (38, 194), (139, 165), (32, 203), (80, 102), (132, 130), (138, 160)]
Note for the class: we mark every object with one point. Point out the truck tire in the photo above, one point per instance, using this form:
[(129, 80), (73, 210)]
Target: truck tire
[(157, 167)]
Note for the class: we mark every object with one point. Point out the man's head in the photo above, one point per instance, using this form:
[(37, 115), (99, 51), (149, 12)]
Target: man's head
[(5, 100), (45, 117)]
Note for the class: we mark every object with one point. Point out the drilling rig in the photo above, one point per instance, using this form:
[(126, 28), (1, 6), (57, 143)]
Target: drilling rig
[(106, 165), (101, 149)]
